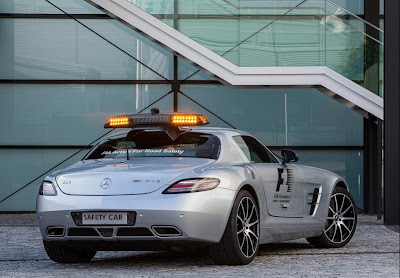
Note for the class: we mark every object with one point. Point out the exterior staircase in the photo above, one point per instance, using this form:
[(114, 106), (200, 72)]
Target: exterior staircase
[(256, 58)]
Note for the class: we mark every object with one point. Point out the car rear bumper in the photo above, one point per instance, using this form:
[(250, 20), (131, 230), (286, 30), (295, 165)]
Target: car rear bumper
[(196, 217)]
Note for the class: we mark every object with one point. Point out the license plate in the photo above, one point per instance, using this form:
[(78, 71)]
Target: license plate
[(104, 218)]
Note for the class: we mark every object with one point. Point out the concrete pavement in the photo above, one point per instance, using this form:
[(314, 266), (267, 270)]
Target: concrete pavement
[(373, 252)]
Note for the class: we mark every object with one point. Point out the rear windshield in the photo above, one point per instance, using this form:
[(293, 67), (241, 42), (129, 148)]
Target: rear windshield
[(158, 144)]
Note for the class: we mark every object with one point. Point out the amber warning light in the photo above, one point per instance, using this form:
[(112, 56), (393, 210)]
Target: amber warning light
[(120, 121), (176, 119)]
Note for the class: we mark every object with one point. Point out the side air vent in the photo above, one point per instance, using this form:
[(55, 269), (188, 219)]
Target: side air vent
[(166, 231), (314, 202), (134, 232), (290, 178), (82, 232)]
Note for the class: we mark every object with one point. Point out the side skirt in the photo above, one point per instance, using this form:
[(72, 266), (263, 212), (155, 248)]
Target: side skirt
[(285, 233)]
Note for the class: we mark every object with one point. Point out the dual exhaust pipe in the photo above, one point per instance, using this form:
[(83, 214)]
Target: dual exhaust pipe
[(55, 231), (166, 231)]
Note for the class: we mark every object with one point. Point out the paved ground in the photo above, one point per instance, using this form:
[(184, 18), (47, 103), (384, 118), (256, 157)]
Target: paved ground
[(373, 252)]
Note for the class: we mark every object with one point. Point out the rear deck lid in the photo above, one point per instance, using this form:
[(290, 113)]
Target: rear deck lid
[(107, 177)]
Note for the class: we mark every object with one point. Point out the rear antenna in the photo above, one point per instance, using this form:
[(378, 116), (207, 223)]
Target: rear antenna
[(127, 152)]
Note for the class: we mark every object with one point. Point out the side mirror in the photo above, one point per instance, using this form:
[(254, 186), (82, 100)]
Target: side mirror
[(289, 156)]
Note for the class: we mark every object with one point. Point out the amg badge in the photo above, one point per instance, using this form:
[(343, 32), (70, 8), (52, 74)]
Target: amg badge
[(156, 181)]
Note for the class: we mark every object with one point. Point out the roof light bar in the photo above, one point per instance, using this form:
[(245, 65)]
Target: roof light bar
[(175, 119)]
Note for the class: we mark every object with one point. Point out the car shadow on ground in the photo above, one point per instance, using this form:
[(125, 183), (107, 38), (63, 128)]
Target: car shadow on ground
[(283, 248), (197, 257)]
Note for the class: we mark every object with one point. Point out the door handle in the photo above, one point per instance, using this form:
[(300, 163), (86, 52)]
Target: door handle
[(285, 206)]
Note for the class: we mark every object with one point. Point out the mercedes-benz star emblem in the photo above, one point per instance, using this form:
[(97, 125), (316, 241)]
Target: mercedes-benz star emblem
[(106, 183)]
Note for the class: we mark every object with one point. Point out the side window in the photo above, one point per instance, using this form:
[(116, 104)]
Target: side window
[(253, 150)]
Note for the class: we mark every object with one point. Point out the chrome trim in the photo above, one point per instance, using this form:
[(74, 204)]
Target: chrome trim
[(55, 227), (165, 235)]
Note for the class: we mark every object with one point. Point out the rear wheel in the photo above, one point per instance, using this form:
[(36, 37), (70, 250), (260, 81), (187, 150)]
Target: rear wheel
[(239, 244), (65, 254), (341, 221)]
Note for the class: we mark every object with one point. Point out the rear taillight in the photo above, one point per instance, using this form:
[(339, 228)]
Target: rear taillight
[(192, 185), (47, 188)]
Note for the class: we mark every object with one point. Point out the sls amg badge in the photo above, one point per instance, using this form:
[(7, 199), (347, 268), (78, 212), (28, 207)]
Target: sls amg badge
[(155, 181)]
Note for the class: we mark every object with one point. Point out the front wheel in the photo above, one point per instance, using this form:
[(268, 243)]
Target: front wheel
[(341, 221), (239, 244)]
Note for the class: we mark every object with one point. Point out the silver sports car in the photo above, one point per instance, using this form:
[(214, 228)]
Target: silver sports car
[(166, 182)]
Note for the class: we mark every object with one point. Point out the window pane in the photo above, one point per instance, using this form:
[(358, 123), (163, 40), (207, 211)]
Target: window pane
[(205, 32), (257, 111), (63, 49), (185, 70), (198, 7), (155, 6), (345, 48), (40, 114), (33, 162), (43, 7), (243, 146), (354, 6), (296, 41), (347, 163), (254, 151), (313, 119), (158, 144)]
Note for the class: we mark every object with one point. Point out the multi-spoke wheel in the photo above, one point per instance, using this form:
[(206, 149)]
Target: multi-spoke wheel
[(341, 218), (240, 241), (247, 227), (340, 223)]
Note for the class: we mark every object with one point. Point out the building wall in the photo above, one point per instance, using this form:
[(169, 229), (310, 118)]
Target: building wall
[(59, 82)]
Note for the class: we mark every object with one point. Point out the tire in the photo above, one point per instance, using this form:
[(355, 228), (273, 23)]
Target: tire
[(341, 221), (65, 254), (239, 243)]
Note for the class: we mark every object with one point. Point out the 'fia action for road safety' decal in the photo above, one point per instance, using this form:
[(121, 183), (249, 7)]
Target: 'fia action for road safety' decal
[(145, 151)]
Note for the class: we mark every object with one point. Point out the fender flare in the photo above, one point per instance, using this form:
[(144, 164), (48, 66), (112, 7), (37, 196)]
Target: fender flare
[(340, 182)]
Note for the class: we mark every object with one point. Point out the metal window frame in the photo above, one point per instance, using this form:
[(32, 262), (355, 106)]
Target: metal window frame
[(106, 82)]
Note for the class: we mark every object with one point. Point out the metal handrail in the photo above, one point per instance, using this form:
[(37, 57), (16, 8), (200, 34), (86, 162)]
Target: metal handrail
[(354, 27), (297, 6), (331, 2), (356, 16)]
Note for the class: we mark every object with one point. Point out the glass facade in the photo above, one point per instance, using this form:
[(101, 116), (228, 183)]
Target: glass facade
[(294, 117), (19, 166), (48, 113), (59, 82), (281, 33), (46, 49)]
